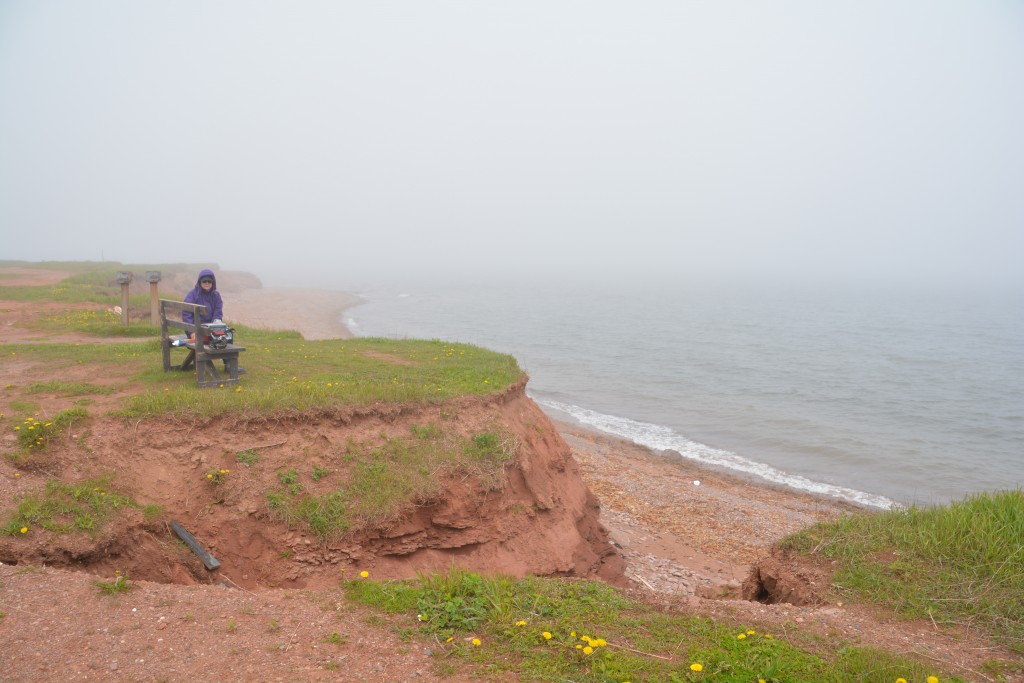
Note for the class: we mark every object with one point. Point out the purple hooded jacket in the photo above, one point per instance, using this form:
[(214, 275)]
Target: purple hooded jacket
[(214, 304)]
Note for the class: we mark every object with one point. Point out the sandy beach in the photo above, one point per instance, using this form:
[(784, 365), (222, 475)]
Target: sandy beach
[(316, 313)]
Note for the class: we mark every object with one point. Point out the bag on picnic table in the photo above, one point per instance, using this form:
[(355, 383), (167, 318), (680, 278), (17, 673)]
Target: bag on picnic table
[(217, 334)]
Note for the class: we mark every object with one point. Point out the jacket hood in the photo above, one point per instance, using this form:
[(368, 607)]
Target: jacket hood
[(206, 272)]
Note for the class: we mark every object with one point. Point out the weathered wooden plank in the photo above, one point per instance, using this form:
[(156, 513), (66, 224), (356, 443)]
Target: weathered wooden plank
[(209, 561), (171, 306)]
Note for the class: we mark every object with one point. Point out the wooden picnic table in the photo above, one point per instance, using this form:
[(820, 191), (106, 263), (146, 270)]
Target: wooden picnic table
[(200, 356)]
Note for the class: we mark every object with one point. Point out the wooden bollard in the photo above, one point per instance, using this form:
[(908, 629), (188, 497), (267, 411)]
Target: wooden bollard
[(124, 278), (153, 276)]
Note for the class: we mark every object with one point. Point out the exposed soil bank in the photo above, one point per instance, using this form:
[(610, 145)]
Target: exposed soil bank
[(540, 519)]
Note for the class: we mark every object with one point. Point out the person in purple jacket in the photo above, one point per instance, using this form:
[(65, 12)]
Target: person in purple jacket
[(205, 292)]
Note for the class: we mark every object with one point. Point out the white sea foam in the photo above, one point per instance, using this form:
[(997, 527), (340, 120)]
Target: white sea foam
[(662, 438)]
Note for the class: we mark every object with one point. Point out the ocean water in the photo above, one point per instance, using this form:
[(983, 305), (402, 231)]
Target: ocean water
[(876, 396)]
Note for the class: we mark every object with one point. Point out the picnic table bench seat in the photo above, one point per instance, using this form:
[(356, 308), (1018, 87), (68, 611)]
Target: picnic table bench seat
[(200, 355)]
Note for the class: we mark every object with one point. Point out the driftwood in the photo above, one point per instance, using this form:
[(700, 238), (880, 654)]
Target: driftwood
[(209, 560)]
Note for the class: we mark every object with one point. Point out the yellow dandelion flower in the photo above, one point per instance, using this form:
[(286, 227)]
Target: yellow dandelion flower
[(476, 642), (224, 471), (579, 647), (587, 650), (932, 679), (24, 529), (17, 474), (520, 623), (768, 636), (238, 389), (18, 428), (209, 476), (696, 667), (572, 634), (741, 636), (901, 680), (364, 574), (546, 635), (750, 633), (450, 639)]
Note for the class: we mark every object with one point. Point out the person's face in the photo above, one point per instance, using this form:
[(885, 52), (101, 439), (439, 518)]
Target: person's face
[(206, 284)]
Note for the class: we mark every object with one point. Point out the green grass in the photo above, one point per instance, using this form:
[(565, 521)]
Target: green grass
[(248, 458), (383, 481), (132, 357), (119, 585), (286, 374), (628, 641), (289, 374), (100, 323), (961, 563), (63, 508), (66, 389), (93, 283), (34, 435)]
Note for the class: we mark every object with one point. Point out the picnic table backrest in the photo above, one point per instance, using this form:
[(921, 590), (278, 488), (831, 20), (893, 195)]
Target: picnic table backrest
[(176, 308)]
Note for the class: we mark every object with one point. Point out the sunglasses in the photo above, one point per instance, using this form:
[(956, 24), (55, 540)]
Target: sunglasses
[(206, 282)]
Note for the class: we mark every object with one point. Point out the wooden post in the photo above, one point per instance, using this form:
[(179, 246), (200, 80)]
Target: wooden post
[(124, 278), (154, 297)]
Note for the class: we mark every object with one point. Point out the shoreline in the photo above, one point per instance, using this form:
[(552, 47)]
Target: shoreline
[(316, 314)]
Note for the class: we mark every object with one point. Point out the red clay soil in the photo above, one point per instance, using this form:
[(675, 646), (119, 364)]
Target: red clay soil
[(540, 520)]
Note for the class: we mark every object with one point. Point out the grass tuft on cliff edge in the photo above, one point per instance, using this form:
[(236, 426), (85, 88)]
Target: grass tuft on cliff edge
[(956, 564)]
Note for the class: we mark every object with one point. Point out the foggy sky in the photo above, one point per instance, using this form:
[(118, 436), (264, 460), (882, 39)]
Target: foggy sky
[(354, 142)]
